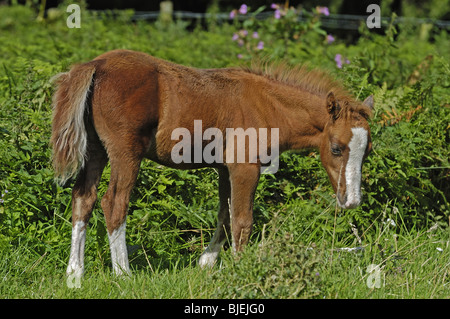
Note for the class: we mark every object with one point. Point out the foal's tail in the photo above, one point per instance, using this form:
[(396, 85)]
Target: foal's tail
[(69, 136)]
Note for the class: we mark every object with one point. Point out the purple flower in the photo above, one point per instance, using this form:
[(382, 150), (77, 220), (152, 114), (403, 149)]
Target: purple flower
[(323, 10), (274, 6), (338, 60), (240, 42), (232, 14), (235, 37), (260, 45), (330, 39), (277, 14), (240, 56), (255, 35), (244, 33), (243, 9)]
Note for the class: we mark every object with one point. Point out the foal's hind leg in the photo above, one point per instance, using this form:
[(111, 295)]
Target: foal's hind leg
[(124, 171), (209, 256), (84, 195)]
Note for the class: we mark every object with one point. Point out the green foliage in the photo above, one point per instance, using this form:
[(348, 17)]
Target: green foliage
[(278, 267), (284, 29), (172, 213)]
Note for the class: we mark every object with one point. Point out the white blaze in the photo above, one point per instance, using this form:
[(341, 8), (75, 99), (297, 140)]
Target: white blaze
[(357, 146)]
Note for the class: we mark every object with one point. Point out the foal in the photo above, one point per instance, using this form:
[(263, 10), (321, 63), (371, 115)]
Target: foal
[(124, 106)]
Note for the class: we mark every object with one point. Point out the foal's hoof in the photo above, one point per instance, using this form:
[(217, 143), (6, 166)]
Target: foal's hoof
[(121, 271), (207, 260)]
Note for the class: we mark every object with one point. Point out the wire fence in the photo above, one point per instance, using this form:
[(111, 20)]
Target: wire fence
[(332, 21)]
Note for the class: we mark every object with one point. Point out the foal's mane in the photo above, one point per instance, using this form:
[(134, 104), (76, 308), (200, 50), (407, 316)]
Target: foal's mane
[(314, 81)]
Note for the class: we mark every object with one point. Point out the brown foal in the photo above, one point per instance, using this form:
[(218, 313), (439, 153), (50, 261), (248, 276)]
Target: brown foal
[(125, 106)]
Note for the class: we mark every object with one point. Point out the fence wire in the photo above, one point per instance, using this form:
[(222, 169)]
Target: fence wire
[(332, 21)]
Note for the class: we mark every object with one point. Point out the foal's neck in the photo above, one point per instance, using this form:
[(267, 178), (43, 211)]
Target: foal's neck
[(303, 117)]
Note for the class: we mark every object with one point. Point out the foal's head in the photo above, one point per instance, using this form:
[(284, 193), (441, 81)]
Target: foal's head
[(346, 143)]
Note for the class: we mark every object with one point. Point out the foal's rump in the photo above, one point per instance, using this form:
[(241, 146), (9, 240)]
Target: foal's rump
[(118, 92)]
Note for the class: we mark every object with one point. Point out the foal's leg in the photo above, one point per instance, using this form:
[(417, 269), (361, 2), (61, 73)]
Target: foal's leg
[(244, 180), (84, 195), (209, 256), (115, 204)]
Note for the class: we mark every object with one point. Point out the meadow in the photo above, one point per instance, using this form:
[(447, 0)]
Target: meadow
[(395, 245)]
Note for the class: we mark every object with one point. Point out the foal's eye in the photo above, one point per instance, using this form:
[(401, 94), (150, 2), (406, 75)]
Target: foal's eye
[(336, 150)]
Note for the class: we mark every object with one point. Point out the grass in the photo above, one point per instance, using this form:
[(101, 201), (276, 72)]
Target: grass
[(411, 266), (277, 264)]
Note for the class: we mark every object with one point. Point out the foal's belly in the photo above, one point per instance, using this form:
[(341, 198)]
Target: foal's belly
[(160, 147)]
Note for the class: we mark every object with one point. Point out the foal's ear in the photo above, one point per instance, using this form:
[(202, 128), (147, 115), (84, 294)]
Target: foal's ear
[(369, 101), (333, 105)]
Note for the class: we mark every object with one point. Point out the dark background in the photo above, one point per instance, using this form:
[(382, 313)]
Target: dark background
[(347, 6)]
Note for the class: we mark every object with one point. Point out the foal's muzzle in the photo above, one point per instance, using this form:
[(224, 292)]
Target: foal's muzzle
[(348, 202)]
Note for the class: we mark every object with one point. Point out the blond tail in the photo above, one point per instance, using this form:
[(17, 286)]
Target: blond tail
[(69, 136)]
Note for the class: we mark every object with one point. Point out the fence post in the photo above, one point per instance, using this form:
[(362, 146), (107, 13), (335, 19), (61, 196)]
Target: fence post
[(166, 10)]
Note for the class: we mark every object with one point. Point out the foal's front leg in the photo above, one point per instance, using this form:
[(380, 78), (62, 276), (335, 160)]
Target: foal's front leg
[(244, 180)]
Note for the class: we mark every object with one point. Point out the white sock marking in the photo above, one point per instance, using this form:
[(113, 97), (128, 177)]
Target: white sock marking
[(76, 260), (209, 256), (119, 254)]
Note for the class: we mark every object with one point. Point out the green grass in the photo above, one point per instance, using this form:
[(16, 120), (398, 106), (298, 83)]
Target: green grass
[(411, 266), (278, 264)]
